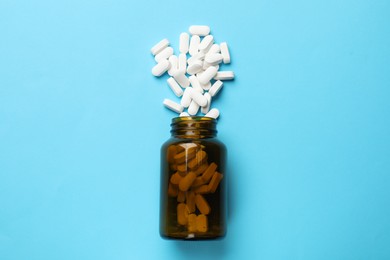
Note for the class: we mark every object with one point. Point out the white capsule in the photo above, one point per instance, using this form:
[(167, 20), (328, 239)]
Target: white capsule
[(182, 65), (195, 67), (159, 46), (199, 74), (206, 86), (160, 68), (208, 74), (225, 52), (215, 88), (201, 30), (194, 45), (214, 59), (224, 75), (214, 113), (181, 78), (164, 54), (206, 108), (186, 98), (199, 56), (175, 87), (206, 43), (174, 61), (198, 98), (206, 65), (184, 42), (173, 106), (184, 114), (195, 84), (214, 49), (193, 108)]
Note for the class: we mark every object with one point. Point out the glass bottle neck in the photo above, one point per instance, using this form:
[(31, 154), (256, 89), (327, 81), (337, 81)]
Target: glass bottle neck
[(193, 127)]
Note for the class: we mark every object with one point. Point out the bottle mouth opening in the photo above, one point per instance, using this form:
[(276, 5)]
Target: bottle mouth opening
[(194, 125), (193, 118)]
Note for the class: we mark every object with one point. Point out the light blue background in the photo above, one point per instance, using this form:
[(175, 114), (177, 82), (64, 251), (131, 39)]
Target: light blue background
[(306, 122)]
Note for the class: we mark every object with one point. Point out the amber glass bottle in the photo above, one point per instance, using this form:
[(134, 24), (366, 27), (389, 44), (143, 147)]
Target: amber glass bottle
[(193, 181)]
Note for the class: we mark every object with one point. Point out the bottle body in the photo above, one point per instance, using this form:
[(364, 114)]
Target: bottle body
[(193, 182)]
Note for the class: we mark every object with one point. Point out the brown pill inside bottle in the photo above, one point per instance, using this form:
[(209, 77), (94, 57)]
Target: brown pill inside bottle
[(182, 214), (186, 155), (190, 200), (192, 224), (202, 204), (176, 178), (201, 223), (209, 172), (213, 185), (187, 181)]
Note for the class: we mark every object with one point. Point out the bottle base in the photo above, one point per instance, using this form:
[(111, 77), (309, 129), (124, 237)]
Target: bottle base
[(191, 236)]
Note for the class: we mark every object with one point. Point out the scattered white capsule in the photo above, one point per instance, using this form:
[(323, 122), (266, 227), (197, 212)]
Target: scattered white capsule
[(224, 75), (204, 82), (208, 74), (194, 45), (214, 59), (199, 56), (199, 74), (225, 52), (201, 30), (214, 113), (173, 106), (182, 64), (160, 68), (174, 63), (175, 87), (206, 86), (186, 98), (215, 88), (159, 46), (214, 49), (198, 98), (184, 114), (184, 42), (193, 108), (206, 65), (195, 67), (181, 78), (206, 108), (164, 54), (195, 84), (206, 43)]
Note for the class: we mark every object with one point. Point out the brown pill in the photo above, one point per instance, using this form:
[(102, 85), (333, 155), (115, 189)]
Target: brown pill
[(181, 196), (190, 199), (201, 223), (200, 157), (187, 181), (206, 176), (186, 155), (182, 214), (192, 225), (171, 152), (180, 148), (172, 190), (213, 185), (198, 182), (202, 204), (201, 168), (182, 167), (176, 178), (202, 189)]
